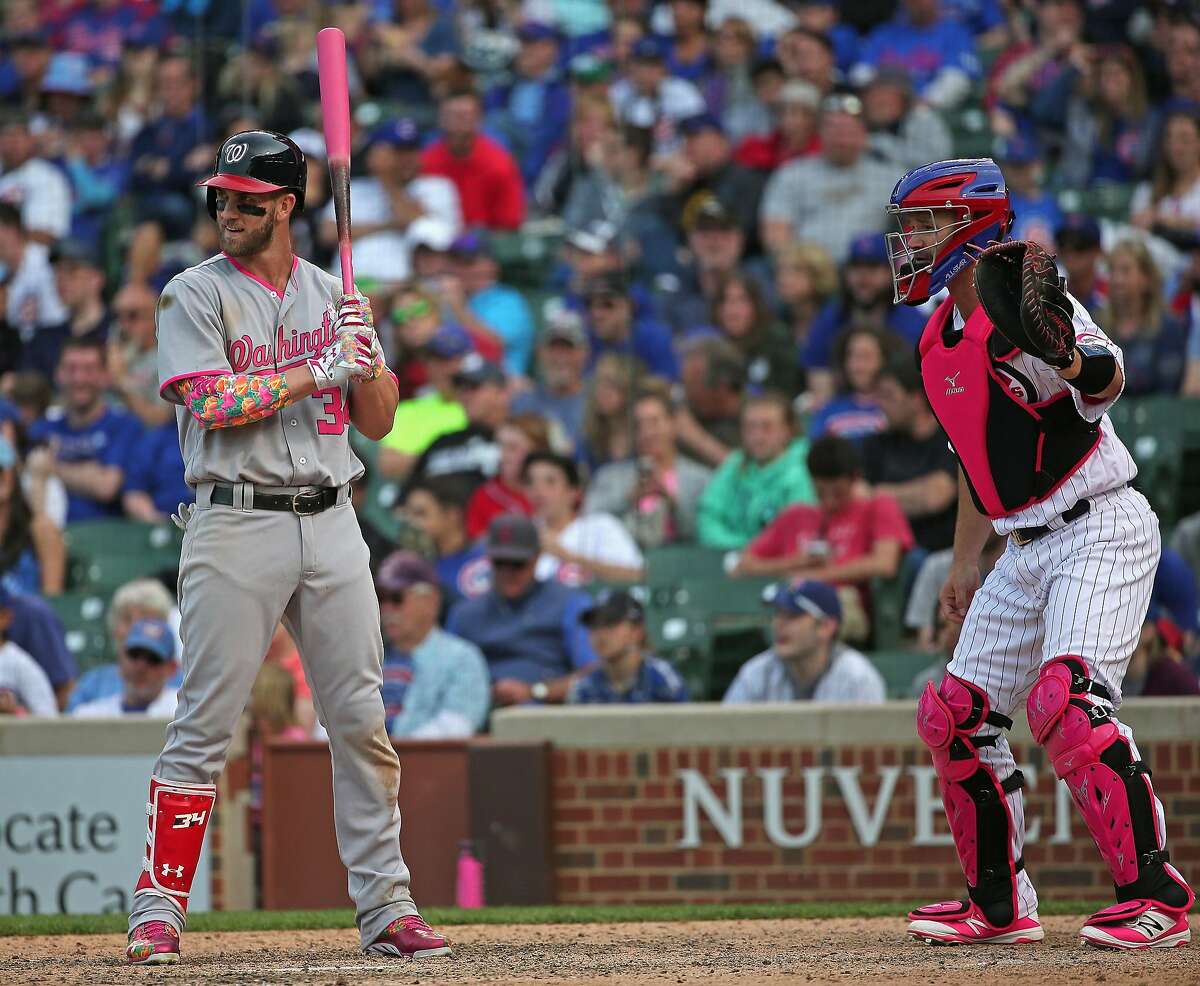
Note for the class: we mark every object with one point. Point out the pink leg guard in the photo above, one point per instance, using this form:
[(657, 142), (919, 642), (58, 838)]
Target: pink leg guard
[(1110, 786), (974, 797), (179, 814)]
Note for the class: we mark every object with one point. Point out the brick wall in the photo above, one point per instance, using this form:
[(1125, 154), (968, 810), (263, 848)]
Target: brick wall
[(622, 830)]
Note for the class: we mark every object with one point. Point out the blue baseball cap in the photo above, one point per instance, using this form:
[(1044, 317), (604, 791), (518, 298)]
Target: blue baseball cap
[(153, 636), (403, 132), (471, 243), (648, 50), (449, 342), (1078, 231), (1020, 148), (699, 123), (68, 73), (537, 31), (869, 248), (806, 596)]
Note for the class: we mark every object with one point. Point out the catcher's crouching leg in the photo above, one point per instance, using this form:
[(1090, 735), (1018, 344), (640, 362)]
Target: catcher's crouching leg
[(178, 817), (976, 800), (1070, 715)]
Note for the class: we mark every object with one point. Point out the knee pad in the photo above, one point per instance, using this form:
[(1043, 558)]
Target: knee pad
[(1068, 716), (975, 799), (179, 814)]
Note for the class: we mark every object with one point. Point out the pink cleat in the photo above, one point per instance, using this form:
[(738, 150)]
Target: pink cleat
[(410, 937), (960, 922), (153, 943), (1137, 925)]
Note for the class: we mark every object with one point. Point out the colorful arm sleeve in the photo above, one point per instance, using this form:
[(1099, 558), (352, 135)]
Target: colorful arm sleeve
[(232, 399)]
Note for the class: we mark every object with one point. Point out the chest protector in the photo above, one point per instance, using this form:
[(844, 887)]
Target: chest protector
[(1013, 453)]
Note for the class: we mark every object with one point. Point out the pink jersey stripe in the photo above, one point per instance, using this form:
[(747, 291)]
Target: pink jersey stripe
[(254, 277)]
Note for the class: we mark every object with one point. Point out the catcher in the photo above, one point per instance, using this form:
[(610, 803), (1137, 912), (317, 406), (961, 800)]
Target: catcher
[(1021, 378)]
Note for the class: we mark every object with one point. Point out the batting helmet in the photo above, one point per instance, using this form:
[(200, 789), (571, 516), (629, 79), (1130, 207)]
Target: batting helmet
[(257, 161), (924, 254)]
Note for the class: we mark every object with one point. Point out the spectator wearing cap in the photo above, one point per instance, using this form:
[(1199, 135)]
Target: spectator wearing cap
[(715, 250), (66, 92), (434, 410), (33, 184), (133, 355), (1169, 204), (409, 44), (438, 509), (519, 437), (704, 167), (1078, 241), (864, 301), (98, 175), (911, 461), (486, 175), (829, 198), (24, 687), (576, 548), (559, 393), (32, 302), (794, 134), (478, 300), (627, 674), (532, 109), (903, 131), (528, 628), (79, 285), (33, 556), (767, 473), (613, 327), (29, 54), (934, 48), (806, 662), (389, 200), (167, 157), (849, 538), (146, 662), (656, 495), (85, 442), (435, 685), (1156, 667), (1036, 210), (713, 382), (650, 97), (153, 484), (471, 451)]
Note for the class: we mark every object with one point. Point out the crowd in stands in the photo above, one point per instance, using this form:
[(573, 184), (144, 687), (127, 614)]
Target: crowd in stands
[(626, 261)]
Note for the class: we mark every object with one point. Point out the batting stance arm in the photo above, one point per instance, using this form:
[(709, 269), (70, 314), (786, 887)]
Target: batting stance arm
[(229, 400), (373, 405)]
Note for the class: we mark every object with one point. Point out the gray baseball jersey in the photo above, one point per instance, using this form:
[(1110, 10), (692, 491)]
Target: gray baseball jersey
[(218, 318)]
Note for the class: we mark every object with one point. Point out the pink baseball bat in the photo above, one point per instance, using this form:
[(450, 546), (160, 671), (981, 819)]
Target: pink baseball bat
[(335, 119)]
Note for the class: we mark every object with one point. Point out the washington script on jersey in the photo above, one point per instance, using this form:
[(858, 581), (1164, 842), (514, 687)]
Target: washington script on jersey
[(294, 348)]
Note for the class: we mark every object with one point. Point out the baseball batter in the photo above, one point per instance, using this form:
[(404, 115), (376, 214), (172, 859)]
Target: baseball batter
[(269, 366), (1021, 378)]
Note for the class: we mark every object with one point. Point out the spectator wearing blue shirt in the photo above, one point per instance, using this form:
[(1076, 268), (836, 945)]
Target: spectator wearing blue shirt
[(532, 110), (859, 357), (154, 484), (435, 685), (559, 394), (689, 55), (865, 301), (613, 328), (38, 631), (482, 305), (1036, 212), (937, 51), (616, 625), (528, 630), (98, 175), (166, 158), (87, 443), (437, 508)]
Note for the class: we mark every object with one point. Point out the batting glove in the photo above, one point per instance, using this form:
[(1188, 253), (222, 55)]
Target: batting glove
[(353, 311), (371, 363), (337, 363), (183, 515)]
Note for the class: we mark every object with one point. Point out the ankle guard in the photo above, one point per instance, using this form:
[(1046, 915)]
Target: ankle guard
[(976, 800), (1111, 788), (179, 814)]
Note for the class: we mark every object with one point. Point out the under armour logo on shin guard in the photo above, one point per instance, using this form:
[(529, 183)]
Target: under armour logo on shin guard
[(177, 871)]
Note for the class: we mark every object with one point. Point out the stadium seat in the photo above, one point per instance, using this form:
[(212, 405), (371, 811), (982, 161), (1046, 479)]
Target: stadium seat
[(899, 667), (1154, 429), (104, 554), (84, 618)]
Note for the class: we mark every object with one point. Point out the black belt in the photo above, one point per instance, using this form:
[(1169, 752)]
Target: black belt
[(1024, 535), (305, 503)]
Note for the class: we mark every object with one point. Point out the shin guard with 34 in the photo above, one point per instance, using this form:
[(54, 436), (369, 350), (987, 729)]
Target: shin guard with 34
[(178, 816)]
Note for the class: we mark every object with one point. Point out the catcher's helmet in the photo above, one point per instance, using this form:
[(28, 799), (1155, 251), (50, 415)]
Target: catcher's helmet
[(925, 255), (257, 161)]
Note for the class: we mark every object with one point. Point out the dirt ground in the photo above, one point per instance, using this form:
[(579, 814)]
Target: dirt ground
[(749, 953)]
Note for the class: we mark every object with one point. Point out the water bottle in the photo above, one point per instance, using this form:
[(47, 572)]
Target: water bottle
[(468, 888)]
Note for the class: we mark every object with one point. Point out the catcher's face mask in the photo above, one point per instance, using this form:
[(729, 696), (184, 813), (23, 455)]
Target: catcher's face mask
[(920, 243)]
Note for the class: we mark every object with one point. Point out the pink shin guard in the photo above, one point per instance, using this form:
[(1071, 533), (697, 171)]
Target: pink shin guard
[(975, 798), (179, 814), (1111, 788)]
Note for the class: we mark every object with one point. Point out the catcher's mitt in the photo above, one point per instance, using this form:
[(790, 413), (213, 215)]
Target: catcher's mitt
[(1019, 288)]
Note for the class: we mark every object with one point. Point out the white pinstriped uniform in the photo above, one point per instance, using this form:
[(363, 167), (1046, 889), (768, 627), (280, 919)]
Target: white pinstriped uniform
[(1082, 589)]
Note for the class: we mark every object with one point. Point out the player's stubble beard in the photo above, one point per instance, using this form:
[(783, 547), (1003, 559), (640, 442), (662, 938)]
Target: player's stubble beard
[(249, 243)]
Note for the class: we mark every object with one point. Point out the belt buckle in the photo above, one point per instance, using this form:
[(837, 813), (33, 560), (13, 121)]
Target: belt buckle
[(306, 502), (1019, 539)]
